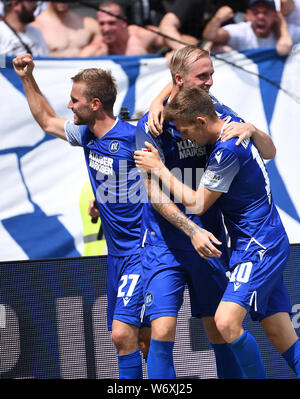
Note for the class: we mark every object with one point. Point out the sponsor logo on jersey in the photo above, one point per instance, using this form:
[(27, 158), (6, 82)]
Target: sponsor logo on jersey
[(101, 164), (261, 253), (126, 300), (211, 178), (114, 146), (237, 286), (187, 149), (218, 156)]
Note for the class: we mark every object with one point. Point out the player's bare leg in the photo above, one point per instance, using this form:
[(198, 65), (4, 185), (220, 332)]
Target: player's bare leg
[(229, 318)]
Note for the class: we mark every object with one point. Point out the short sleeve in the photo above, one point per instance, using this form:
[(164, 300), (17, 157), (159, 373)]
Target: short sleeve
[(74, 133), (223, 166)]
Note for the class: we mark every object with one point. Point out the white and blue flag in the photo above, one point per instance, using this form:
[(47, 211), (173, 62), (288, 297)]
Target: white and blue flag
[(41, 176)]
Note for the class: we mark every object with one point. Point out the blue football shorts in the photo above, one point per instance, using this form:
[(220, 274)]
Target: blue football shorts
[(258, 284), (165, 275), (125, 301)]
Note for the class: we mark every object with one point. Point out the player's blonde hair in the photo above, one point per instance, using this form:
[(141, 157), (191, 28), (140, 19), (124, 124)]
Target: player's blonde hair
[(184, 57)]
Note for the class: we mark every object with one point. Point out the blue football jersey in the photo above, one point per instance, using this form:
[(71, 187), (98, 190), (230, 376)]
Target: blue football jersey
[(116, 183), (187, 161), (223, 111), (250, 215)]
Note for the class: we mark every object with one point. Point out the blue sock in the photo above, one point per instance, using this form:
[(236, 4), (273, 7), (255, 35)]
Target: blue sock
[(226, 361), (130, 365), (247, 352), (160, 360), (292, 356)]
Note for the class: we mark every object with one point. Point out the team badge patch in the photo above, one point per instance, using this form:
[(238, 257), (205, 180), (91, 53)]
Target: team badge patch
[(149, 298), (114, 147)]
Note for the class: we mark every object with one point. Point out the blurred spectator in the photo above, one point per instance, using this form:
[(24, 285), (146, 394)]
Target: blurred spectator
[(186, 19), (264, 27), (121, 38), (41, 5), (145, 12), (291, 11), (16, 35), (69, 34), (286, 6)]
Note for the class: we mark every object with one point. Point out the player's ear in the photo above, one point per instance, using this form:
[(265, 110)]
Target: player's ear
[(179, 79), (201, 121), (96, 104)]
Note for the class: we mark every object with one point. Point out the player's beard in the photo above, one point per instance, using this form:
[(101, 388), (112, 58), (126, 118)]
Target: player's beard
[(205, 88), (81, 119), (26, 16)]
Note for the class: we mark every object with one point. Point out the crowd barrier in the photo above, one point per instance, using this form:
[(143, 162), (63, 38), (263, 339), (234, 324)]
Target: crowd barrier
[(53, 323)]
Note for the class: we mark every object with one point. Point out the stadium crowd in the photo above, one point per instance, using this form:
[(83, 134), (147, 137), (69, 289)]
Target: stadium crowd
[(64, 29)]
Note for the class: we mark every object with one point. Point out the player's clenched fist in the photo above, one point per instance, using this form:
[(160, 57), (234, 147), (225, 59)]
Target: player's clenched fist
[(23, 65)]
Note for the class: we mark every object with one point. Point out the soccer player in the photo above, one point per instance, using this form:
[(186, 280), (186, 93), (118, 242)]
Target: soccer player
[(108, 147), (236, 177), (170, 237)]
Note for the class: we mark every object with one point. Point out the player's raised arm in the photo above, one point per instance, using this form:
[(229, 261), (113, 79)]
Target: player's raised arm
[(155, 117), (39, 106)]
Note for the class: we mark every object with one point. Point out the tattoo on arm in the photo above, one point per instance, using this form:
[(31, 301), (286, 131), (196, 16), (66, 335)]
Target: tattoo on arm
[(162, 203)]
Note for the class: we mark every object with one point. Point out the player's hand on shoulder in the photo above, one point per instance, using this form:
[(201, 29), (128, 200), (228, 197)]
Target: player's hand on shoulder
[(235, 129), (23, 65)]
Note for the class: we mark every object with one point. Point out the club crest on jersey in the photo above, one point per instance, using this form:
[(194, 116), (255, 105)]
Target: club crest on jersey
[(149, 298), (114, 146)]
